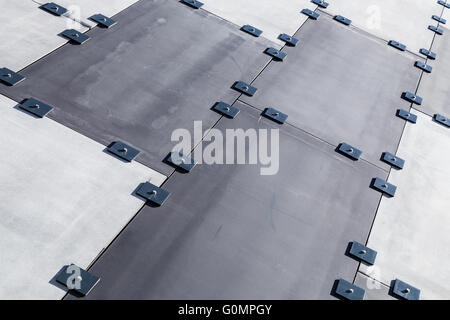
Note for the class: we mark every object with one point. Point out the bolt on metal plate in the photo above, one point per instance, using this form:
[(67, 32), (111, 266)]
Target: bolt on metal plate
[(384, 187), (393, 160), (275, 54), (320, 3), (290, 41), (429, 54), (439, 19), (9, 77), (349, 291), (405, 291), (75, 36), (181, 161), (76, 279), (443, 3), (152, 193), (349, 151), (437, 30), (442, 120), (103, 21), (244, 88), (36, 107), (226, 110), (123, 151), (54, 8), (397, 45), (275, 115), (312, 14), (363, 253), (251, 30), (406, 115), (343, 20), (193, 3), (425, 67), (411, 97)]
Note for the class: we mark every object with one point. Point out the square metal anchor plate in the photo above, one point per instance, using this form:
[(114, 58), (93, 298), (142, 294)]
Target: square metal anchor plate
[(320, 3), (152, 193), (275, 115), (436, 30), (312, 14), (290, 41), (275, 54), (349, 291), (123, 151), (226, 110), (429, 54), (343, 20), (442, 120), (181, 161), (393, 160), (245, 88), (406, 115), (36, 107), (251, 30), (397, 45), (349, 151), (411, 97), (363, 253), (77, 279), (425, 67), (10, 77), (75, 36), (405, 291), (102, 20), (384, 187), (439, 19), (193, 3), (54, 8)]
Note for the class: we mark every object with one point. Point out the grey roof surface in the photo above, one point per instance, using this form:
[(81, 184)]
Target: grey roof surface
[(226, 231)]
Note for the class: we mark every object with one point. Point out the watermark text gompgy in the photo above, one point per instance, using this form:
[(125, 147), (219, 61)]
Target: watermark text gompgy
[(234, 146)]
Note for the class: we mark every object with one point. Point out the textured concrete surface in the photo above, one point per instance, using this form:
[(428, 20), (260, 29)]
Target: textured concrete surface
[(81, 10), (228, 232), (272, 17), (405, 21), (434, 86), (411, 230), (29, 33), (121, 86), (332, 91), (375, 290), (62, 201)]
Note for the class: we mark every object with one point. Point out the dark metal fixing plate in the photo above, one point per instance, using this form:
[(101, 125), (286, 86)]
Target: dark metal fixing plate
[(349, 291), (290, 41), (442, 120), (10, 77), (152, 193), (406, 115), (397, 45), (384, 187), (275, 115), (411, 97), (193, 3), (36, 107), (245, 88), (363, 253), (226, 110), (75, 36), (405, 291), (320, 3), (349, 151), (181, 161), (437, 30), (312, 14), (393, 160), (276, 54), (429, 54), (123, 151), (425, 67), (103, 20), (54, 8), (75, 275), (251, 30), (439, 19), (343, 20)]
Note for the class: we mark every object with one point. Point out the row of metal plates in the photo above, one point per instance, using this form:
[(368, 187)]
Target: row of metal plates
[(226, 231)]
